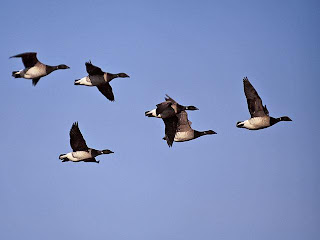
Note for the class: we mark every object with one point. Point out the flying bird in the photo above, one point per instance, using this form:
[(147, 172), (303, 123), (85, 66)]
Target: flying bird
[(179, 128), (81, 152), (184, 132), (99, 79), (168, 111), (34, 69), (168, 108), (259, 114)]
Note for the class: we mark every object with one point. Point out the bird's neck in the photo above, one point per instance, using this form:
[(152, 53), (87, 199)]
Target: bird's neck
[(95, 152), (112, 76), (50, 69), (274, 120), (198, 134)]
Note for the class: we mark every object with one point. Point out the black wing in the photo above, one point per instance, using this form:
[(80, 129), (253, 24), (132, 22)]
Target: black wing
[(167, 98), (171, 125), (106, 90), (77, 141), (35, 81), (29, 59), (255, 106), (165, 109), (93, 70), (91, 160)]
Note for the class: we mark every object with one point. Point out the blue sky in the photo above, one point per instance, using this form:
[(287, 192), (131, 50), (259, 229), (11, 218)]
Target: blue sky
[(237, 184)]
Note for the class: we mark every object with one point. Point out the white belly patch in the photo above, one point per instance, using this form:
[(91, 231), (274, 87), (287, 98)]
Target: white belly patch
[(257, 123), (35, 72), (183, 136)]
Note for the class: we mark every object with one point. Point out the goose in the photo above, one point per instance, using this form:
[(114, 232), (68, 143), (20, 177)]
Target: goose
[(99, 79), (184, 132), (34, 69), (168, 108), (81, 152), (179, 129), (259, 114), (168, 111)]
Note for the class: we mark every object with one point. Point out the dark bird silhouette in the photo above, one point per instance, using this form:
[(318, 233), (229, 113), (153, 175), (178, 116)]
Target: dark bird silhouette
[(99, 79), (81, 152), (259, 114), (34, 69)]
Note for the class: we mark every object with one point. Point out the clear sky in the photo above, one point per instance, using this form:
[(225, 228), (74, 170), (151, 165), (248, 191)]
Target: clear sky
[(236, 185)]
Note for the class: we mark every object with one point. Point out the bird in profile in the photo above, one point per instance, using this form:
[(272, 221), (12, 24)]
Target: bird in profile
[(179, 128), (99, 79), (168, 108), (184, 132), (34, 69), (81, 152), (259, 114), (168, 111)]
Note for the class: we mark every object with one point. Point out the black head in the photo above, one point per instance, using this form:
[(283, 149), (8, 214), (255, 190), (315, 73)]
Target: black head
[(285, 118), (199, 134), (62, 66), (191, 108), (209, 132), (106, 151), (123, 75)]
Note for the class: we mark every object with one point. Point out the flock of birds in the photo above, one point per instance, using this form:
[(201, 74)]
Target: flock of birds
[(175, 118)]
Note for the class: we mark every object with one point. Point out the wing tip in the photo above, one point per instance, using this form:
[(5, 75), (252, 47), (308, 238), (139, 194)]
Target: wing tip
[(75, 124), (21, 54), (88, 63)]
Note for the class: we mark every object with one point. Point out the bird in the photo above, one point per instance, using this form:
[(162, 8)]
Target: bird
[(259, 114), (99, 79), (168, 111), (34, 69), (168, 108), (178, 129), (184, 132), (81, 152)]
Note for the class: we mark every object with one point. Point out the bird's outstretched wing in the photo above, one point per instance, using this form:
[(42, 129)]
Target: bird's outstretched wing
[(167, 98), (77, 141), (106, 90), (91, 160), (29, 59), (164, 107), (93, 70), (35, 81), (255, 106), (170, 129)]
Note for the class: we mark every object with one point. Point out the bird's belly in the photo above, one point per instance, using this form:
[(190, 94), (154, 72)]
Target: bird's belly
[(34, 72), (183, 136), (258, 123), (78, 156)]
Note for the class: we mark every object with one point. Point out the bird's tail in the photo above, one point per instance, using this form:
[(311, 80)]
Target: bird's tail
[(16, 74), (63, 156)]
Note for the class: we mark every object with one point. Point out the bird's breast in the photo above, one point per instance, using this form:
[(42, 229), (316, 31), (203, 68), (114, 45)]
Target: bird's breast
[(183, 136), (80, 155), (35, 72), (257, 123)]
